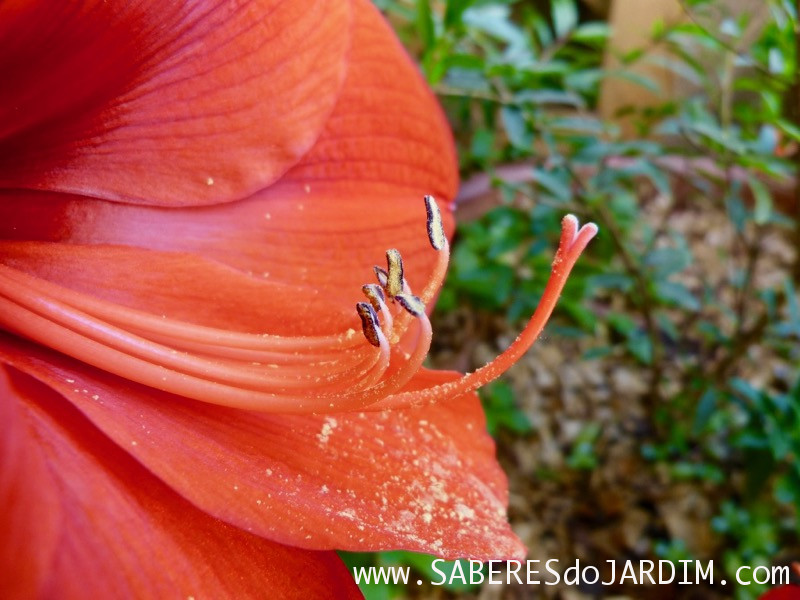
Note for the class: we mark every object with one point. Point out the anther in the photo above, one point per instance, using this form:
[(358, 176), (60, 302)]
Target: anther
[(382, 275), (394, 282), (411, 303), (374, 294), (435, 228), (369, 322)]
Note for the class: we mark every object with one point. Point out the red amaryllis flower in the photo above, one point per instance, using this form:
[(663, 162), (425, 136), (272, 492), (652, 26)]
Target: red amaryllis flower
[(193, 195)]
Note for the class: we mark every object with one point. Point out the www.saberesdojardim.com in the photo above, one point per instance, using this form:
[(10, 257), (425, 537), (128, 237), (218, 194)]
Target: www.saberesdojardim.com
[(553, 572)]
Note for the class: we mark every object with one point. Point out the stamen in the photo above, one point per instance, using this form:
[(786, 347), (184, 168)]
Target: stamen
[(435, 228), (371, 377), (369, 323), (149, 325), (382, 275), (293, 374), (374, 294), (412, 304), (63, 339), (394, 282), (438, 240), (409, 366), (378, 301), (573, 242)]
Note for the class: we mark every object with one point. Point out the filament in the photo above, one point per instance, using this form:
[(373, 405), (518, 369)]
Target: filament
[(348, 370)]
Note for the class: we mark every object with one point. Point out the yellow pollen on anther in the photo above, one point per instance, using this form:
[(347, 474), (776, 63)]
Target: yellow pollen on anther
[(374, 294), (411, 303), (394, 282), (435, 228), (369, 323)]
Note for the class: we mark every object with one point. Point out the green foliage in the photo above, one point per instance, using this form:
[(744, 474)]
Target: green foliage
[(502, 411), (519, 87), (583, 455)]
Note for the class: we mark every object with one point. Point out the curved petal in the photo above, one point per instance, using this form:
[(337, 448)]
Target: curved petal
[(31, 515), (124, 534), (186, 287), (296, 254), (178, 104), (356, 193), (419, 479)]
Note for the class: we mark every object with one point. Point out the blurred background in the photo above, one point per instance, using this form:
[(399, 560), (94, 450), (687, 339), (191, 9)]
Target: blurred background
[(659, 415)]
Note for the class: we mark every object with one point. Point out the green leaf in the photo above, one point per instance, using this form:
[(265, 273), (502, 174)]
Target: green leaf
[(762, 198), (482, 144), (454, 11), (791, 301), (554, 182), (737, 212), (425, 27), (516, 128), (494, 20), (490, 284), (549, 96), (705, 409), (584, 455), (586, 125), (502, 411), (667, 261), (638, 79), (583, 80), (594, 31), (677, 294), (722, 136), (467, 79), (372, 590), (468, 62), (640, 347), (621, 322), (423, 563), (789, 128), (565, 16), (777, 63), (610, 281)]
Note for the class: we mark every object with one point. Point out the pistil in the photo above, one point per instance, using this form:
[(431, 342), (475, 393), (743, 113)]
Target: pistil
[(299, 374)]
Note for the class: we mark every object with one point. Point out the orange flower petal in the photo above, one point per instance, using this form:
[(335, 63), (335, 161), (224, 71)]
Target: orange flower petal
[(419, 479), (123, 533), (289, 260), (31, 515), (322, 226), (180, 104)]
